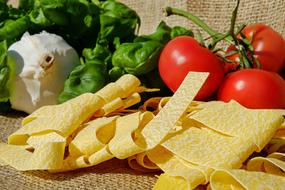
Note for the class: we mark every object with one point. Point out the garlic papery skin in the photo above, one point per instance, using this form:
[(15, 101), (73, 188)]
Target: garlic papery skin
[(42, 63)]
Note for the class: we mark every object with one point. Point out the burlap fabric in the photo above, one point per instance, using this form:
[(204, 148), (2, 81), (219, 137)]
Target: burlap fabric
[(216, 13), (115, 174)]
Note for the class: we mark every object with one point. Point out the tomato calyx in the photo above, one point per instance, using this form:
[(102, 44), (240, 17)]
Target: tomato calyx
[(241, 52), (241, 55), (242, 45)]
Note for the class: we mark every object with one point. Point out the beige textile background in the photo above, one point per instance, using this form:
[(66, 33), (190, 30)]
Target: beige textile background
[(151, 13), (115, 174), (216, 13)]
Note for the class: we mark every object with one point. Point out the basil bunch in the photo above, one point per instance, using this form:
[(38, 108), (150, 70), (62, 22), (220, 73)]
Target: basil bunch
[(117, 22)]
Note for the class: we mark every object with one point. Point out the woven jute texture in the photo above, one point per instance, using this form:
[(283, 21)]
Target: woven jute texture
[(115, 174), (151, 13), (216, 13)]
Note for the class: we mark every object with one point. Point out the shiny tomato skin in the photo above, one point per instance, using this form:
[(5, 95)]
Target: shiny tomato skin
[(268, 45), (254, 88), (184, 54)]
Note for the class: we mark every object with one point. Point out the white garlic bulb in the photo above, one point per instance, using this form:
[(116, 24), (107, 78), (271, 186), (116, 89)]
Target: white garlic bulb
[(42, 62)]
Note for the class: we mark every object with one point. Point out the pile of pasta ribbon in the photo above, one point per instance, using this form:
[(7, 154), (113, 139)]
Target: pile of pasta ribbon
[(194, 143)]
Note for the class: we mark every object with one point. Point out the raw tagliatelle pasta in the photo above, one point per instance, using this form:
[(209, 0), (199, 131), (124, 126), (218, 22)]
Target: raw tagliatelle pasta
[(78, 134), (193, 143), (217, 136)]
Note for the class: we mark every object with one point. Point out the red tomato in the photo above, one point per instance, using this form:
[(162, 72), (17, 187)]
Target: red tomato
[(254, 88), (184, 54), (268, 45)]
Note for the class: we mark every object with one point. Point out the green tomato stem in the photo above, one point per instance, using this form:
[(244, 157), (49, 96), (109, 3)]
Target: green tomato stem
[(174, 11), (196, 20), (233, 22)]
